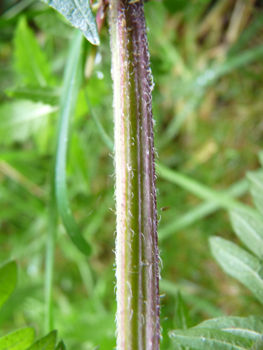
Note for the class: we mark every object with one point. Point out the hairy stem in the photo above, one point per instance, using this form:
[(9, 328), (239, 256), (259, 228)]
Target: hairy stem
[(136, 244)]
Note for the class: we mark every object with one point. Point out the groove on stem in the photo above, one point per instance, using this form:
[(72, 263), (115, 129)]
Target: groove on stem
[(136, 243)]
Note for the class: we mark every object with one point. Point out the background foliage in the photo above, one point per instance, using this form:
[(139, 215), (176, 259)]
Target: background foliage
[(206, 61)]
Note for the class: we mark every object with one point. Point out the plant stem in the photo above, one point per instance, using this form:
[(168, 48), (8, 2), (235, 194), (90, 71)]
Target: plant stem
[(136, 244)]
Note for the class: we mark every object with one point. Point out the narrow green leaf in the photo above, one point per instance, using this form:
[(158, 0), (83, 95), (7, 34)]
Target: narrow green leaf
[(47, 95), (249, 228), (200, 211), (8, 278), (61, 346), (248, 33), (242, 59), (256, 181), (18, 340), (16, 9), (181, 315), (79, 14), (46, 343), (207, 339), (30, 60), (198, 189), (232, 63), (71, 84), (239, 264), (248, 327), (20, 119)]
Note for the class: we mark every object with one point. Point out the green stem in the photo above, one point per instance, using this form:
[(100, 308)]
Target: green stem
[(136, 245)]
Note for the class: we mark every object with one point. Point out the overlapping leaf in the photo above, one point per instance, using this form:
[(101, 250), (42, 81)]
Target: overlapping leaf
[(207, 339), (18, 340), (30, 60), (249, 327), (61, 346), (47, 95), (256, 181), (20, 119), (239, 264), (46, 343), (249, 228), (79, 14)]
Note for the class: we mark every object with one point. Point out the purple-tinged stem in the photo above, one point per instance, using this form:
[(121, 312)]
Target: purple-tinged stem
[(136, 244)]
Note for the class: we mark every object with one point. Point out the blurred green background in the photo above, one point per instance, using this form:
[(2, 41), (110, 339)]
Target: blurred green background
[(208, 101)]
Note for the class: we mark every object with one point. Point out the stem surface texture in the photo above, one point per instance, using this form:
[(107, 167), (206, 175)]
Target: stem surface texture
[(136, 244)]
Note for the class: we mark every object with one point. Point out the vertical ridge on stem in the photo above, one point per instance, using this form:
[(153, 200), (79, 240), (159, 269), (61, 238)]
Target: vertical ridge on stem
[(136, 243)]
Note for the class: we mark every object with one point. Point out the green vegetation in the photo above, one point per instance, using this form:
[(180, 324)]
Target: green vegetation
[(206, 62)]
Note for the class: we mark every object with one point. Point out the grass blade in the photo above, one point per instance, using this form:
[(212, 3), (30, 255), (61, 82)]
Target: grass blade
[(68, 100), (200, 211), (241, 60), (17, 8), (201, 81), (198, 189)]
